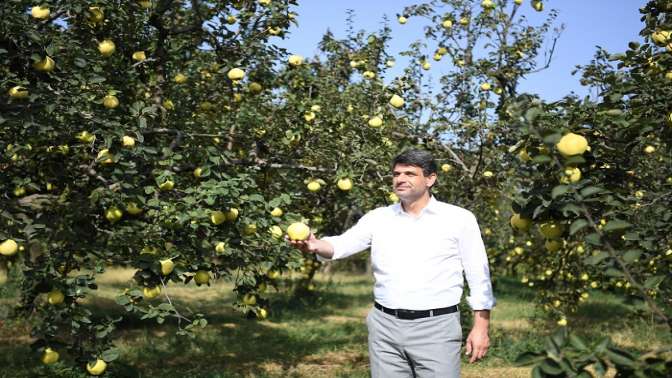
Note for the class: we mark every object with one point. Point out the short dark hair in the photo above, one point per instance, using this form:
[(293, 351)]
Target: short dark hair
[(418, 158)]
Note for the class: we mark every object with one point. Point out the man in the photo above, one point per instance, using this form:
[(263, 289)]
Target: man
[(419, 249)]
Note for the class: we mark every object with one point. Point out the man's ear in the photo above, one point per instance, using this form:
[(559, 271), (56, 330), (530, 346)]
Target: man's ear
[(431, 180)]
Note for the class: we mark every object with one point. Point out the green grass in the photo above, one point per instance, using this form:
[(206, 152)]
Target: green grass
[(323, 335)]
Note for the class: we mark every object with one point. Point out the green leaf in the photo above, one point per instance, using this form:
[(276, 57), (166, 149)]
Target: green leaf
[(593, 238), (35, 36), (616, 224), (536, 372), (631, 255), (596, 258), (549, 366), (647, 245), (620, 358), (532, 114), (577, 225), (614, 112), (110, 354), (577, 343), (613, 272), (166, 307), (256, 197), (571, 207), (575, 160), (541, 159), (559, 190), (552, 348), (552, 138), (566, 366), (653, 282), (560, 336), (602, 346), (590, 190), (529, 358), (122, 300), (600, 367), (97, 79), (81, 63)]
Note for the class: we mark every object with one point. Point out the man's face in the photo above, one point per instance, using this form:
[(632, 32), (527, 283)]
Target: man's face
[(409, 182)]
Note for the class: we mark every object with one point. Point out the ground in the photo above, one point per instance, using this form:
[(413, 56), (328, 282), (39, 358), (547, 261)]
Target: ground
[(322, 335)]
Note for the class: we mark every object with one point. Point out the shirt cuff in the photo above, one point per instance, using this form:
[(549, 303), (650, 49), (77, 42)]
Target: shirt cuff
[(322, 259), (481, 303)]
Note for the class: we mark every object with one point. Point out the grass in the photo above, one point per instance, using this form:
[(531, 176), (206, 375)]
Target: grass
[(323, 335)]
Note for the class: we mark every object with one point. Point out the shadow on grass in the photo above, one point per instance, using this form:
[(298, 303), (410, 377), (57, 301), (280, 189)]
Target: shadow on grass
[(283, 307), (511, 288), (611, 312), (231, 345)]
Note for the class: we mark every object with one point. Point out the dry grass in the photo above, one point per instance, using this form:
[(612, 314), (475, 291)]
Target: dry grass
[(512, 325), (507, 372)]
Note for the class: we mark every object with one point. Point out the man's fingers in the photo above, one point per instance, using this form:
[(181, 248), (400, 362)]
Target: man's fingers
[(300, 244), (478, 353), (474, 356), (468, 346)]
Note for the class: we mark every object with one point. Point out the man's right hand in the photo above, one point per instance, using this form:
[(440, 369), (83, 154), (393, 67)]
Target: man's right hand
[(313, 245)]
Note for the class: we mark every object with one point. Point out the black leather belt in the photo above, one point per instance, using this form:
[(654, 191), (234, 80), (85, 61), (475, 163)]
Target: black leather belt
[(415, 314)]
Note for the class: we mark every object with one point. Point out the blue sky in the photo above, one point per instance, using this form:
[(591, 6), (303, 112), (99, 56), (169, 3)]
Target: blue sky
[(610, 24)]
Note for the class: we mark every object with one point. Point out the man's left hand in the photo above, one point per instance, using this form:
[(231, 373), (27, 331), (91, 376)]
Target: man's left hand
[(478, 340)]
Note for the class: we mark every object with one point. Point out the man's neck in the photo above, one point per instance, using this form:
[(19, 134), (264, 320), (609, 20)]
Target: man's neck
[(415, 206)]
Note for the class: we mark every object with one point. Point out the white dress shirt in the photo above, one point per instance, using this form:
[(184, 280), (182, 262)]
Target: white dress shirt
[(418, 261)]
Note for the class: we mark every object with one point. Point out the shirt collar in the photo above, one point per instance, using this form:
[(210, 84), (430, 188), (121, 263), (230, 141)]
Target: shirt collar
[(431, 207)]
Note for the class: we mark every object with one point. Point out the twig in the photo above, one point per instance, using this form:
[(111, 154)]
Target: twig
[(178, 315), (264, 163), (550, 56), (50, 20)]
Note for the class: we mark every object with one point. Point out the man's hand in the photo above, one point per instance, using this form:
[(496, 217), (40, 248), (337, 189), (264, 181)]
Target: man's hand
[(313, 245), (478, 340), (308, 245)]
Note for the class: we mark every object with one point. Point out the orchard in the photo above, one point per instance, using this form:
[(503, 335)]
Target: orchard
[(177, 139)]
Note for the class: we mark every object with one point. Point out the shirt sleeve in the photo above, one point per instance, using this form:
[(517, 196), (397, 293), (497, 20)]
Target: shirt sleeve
[(354, 240), (475, 265)]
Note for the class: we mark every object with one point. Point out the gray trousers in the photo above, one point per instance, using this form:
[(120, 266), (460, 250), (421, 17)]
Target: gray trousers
[(422, 348)]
